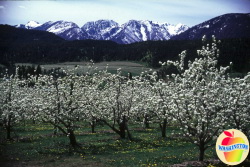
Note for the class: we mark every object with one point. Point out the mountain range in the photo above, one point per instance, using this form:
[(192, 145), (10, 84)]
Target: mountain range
[(130, 32), (232, 25), (226, 26)]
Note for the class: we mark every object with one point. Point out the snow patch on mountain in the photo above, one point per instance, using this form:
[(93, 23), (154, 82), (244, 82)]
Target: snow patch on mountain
[(175, 29), (144, 36), (32, 25), (61, 26), (204, 26)]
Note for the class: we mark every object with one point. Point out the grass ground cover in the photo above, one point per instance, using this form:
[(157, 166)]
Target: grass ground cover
[(133, 67), (35, 145)]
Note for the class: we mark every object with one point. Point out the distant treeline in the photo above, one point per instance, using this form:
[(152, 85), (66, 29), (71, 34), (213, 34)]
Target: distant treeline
[(30, 46)]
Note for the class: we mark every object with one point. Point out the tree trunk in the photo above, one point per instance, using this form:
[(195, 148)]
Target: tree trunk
[(112, 127), (55, 130), (146, 122), (164, 128), (129, 134), (202, 151), (122, 129), (72, 138), (8, 129), (92, 126)]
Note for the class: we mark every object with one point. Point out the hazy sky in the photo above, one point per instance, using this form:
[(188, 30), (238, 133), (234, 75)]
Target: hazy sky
[(189, 12)]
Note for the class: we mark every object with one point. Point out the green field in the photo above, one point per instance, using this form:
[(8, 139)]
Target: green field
[(133, 67), (35, 145)]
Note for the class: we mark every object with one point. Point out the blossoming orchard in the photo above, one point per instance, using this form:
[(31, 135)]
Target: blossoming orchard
[(202, 100)]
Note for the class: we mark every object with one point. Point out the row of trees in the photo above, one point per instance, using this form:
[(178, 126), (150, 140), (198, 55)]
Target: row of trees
[(202, 100)]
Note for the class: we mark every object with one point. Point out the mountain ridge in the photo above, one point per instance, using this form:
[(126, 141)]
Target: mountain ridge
[(129, 32), (231, 25)]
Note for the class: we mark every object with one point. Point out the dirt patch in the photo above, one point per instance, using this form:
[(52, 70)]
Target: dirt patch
[(69, 162), (196, 163)]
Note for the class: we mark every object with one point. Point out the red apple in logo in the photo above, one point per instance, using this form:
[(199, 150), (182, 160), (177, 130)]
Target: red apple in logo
[(235, 155)]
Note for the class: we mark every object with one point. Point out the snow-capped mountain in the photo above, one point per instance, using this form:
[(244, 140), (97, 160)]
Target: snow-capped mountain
[(175, 29), (136, 31), (64, 29), (97, 29), (29, 25), (224, 26), (32, 25), (130, 32)]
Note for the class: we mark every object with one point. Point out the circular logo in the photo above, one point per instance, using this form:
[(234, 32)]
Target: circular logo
[(232, 147)]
